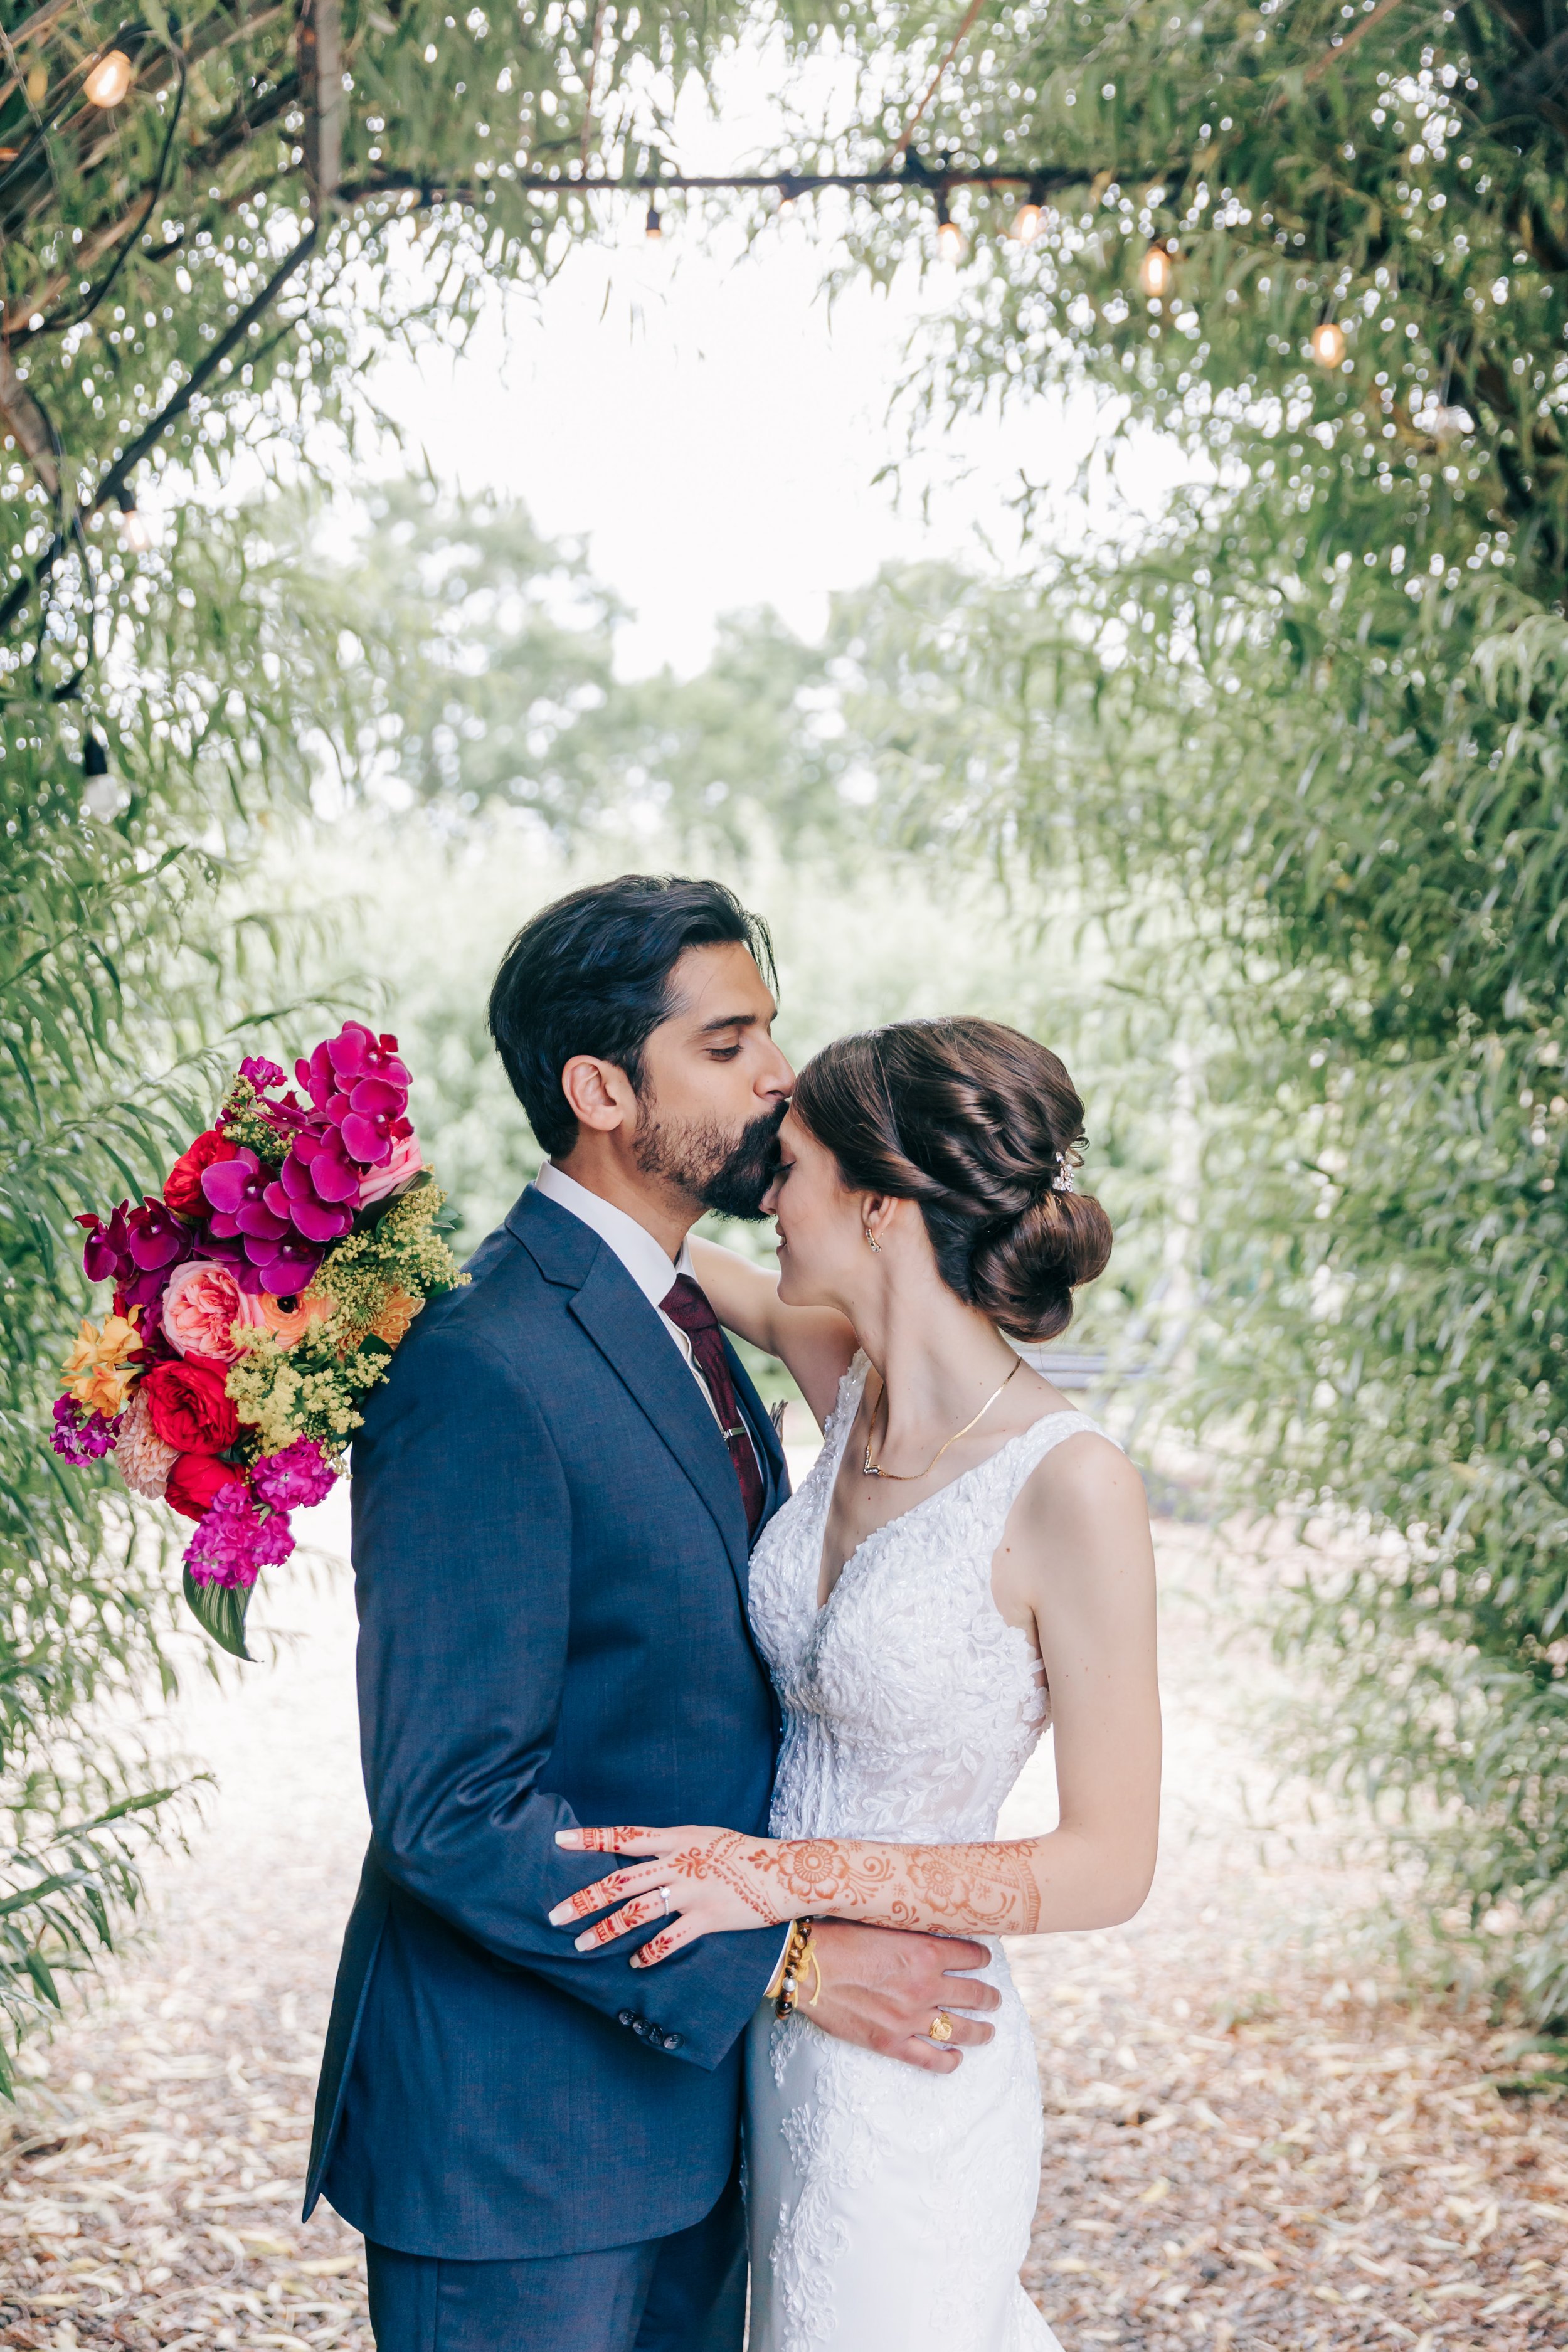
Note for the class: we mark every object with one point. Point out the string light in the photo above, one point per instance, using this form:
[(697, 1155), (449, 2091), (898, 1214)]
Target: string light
[(109, 79), (950, 242), (1157, 271), (134, 528), (654, 228), (1329, 343), (101, 796), (1026, 221)]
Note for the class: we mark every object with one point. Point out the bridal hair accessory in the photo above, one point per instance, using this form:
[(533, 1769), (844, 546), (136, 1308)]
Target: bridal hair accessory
[(1062, 1181), (257, 1299), (908, 1477), (941, 2027)]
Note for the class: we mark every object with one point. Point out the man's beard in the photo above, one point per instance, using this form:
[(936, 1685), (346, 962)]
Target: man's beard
[(726, 1172)]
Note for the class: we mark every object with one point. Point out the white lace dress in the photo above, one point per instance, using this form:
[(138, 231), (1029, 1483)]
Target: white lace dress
[(889, 2209)]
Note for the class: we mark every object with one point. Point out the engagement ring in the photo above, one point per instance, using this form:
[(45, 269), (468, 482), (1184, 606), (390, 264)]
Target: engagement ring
[(941, 2027)]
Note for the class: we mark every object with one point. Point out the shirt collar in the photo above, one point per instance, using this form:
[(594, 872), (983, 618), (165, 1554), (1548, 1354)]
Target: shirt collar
[(649, 1266)]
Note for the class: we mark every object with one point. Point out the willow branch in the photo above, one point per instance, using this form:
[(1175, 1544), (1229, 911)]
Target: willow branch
[(154, 431)]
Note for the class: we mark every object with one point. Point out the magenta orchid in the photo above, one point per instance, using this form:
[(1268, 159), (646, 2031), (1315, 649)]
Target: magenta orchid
[(266, 1250)]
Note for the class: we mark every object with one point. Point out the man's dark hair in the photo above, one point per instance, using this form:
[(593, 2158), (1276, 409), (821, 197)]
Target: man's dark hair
[(590, 974)]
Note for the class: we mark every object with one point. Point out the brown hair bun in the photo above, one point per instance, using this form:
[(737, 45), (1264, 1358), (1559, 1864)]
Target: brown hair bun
[(982, 1127)]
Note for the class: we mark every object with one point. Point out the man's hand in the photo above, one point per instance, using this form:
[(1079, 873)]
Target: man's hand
[(882, 1986)]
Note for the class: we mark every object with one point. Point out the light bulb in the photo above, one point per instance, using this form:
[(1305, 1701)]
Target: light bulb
[(38, 83), (109, 79), (1027, 222), (1329, 343), (101, 794), (655, 226), (135, 528), (1156, 272), (950, 242)]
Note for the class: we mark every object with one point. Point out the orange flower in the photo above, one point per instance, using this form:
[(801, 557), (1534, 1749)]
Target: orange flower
[(288, 1324), (392, 1323), (97, 1372)]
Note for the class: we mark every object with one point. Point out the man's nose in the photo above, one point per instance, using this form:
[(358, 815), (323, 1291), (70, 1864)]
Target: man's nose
[(780, 1079)]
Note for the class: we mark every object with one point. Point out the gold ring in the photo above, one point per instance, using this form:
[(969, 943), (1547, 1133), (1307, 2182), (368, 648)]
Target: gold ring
[(941, 2027)]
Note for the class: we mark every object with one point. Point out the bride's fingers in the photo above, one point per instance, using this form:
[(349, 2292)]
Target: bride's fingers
[(668, 1940), (622, 1922), (621, 1841), (604, 1892)]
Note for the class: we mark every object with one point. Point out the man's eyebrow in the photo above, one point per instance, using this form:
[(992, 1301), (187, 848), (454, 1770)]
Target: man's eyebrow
[(729, 1021)]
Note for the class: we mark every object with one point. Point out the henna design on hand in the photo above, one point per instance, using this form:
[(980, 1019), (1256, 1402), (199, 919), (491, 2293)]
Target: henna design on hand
[(622, 1922), (659, 1949), (616, 1840), (734, 1862), (589, 1899)]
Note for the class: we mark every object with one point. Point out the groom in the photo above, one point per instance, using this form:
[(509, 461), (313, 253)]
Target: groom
[(554, 1497)]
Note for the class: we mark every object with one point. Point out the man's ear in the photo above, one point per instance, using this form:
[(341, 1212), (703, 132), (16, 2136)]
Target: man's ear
[(599, 1093)]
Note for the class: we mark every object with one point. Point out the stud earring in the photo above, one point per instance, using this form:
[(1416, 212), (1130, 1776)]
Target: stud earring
[(871, 1237)]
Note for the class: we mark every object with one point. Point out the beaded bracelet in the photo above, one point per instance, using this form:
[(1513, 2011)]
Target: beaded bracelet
[(797, 1952)]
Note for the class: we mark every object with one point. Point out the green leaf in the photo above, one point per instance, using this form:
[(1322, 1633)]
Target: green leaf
[(220, 1612)]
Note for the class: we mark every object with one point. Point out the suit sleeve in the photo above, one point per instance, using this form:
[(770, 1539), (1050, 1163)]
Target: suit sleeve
[(462, 1549)]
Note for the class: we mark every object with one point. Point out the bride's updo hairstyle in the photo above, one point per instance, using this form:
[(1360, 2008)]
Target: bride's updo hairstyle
[(984, 1127)]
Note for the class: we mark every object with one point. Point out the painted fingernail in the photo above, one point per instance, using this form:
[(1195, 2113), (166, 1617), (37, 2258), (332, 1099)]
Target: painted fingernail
[(571, 1838), (586, 1943)]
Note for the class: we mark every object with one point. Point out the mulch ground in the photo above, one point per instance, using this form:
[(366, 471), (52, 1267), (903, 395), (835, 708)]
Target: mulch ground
[(1246, 2146)]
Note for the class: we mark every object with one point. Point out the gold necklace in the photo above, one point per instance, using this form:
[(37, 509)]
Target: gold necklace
[(870, 1469)]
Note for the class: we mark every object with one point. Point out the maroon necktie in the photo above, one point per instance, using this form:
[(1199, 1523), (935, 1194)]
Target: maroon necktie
[(687, 1306)]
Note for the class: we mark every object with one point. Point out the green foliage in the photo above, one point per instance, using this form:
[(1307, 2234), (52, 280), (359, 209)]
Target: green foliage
[(1306, 732)]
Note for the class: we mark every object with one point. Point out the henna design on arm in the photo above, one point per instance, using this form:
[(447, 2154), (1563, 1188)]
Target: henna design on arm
[(987, 1889)]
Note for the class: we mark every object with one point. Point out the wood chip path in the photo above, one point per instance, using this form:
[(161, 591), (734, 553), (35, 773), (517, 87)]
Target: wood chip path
[(1248, 2145)]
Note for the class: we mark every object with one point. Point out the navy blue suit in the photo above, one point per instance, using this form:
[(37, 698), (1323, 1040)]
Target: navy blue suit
[(550, 1553)]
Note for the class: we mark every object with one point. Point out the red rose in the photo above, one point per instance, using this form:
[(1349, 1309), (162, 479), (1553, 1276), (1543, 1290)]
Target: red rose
[(187, 1406), (193, 1480), (182, 1191)]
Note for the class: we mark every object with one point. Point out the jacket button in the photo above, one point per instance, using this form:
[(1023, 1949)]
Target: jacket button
[(672, 2040), (625, 2017)]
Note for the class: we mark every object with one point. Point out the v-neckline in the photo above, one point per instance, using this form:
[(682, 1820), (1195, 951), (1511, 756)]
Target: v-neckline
[(1064, 1412)]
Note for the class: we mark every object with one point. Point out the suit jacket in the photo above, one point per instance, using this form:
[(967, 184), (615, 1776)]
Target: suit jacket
[(550, 1557)]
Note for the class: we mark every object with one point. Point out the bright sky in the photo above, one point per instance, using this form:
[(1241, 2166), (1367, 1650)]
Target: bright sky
[(715, 432)]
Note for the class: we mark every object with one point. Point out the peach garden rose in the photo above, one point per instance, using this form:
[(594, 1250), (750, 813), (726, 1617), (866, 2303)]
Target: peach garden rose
[(201, 1306)]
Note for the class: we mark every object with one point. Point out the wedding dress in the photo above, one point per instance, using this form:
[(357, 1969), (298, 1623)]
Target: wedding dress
[(888, 2208)]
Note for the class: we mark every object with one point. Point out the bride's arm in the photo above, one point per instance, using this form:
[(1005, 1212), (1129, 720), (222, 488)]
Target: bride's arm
[(1077, 1546), (815, 1343)]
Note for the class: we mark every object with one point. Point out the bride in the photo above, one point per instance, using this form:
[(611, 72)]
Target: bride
[(968, 1561)]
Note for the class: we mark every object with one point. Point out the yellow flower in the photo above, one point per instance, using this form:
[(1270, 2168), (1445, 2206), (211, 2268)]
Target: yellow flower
[(97, 1374)]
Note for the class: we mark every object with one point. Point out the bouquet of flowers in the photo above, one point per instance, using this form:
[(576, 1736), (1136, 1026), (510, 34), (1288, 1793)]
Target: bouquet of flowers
[(256, 1301)]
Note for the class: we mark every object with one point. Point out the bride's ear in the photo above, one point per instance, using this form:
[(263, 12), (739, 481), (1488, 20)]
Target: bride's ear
[(876, 1214)]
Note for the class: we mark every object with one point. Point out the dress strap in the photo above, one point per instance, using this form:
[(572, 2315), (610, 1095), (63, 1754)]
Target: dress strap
[(1014, 1462)]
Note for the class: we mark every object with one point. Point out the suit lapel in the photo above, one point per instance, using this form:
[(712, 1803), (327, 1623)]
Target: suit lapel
[(624, 1327), (627, 1330)]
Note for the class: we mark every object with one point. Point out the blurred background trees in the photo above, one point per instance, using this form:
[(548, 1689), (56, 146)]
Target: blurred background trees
[(1258, 809)]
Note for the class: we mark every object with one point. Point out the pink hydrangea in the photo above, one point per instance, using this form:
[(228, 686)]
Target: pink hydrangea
[(295, 1478), (235, 1539)]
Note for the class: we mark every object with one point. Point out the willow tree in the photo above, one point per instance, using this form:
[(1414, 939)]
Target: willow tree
[(207, 225), (1312, 723)]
